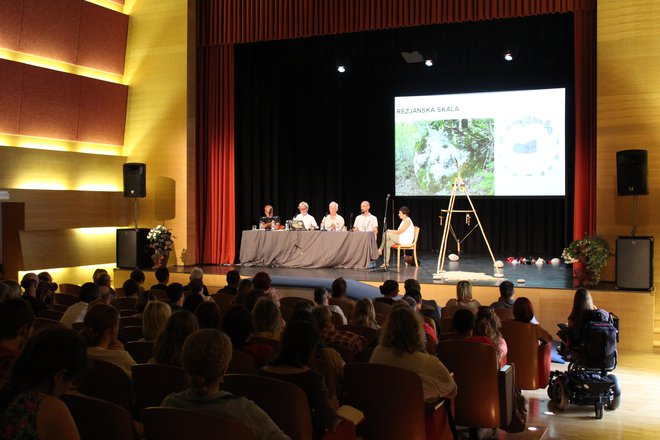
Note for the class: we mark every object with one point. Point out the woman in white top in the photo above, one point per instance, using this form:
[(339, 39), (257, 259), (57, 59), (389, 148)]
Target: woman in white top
[(333, 221), (405, 235)]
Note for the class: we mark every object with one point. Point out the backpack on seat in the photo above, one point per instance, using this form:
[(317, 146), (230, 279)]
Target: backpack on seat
[(598, 341)]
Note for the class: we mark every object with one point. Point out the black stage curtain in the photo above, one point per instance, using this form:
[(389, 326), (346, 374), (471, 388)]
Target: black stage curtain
[(304, 132)]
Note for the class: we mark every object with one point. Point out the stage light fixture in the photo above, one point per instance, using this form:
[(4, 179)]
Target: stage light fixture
[(341, 68), (428, 62), (508, 55)]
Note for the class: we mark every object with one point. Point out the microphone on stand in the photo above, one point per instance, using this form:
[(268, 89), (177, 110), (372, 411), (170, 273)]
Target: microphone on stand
[(349, 228)]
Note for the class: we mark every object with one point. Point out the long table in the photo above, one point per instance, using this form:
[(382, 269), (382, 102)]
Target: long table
[(312, 249)]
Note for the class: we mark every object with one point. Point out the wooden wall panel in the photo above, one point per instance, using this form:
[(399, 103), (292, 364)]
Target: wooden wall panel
[(66, 248), (51, 28), (628, 111), (73, 209), (102, 112), (10, 11), (26, 168), (50, 104), (11, 86), (103, 36)]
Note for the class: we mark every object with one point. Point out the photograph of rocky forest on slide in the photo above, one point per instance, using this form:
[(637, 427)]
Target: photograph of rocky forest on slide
[(428, 154)]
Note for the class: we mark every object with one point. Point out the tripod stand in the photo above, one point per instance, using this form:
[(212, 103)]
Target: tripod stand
[(459, 186)]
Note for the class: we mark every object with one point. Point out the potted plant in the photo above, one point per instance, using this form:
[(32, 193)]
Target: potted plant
[(160, 238), (588, 256)]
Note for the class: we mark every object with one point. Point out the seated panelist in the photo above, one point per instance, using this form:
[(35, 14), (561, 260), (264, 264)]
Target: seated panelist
[(308, 220), (269, 221), (366, 221), (333, 221)]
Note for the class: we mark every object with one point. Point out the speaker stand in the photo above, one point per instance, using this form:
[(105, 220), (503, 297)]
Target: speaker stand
[(634, 216), (135, 212)]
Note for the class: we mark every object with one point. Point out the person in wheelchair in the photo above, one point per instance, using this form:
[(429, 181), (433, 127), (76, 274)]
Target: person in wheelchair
[(589, 345)]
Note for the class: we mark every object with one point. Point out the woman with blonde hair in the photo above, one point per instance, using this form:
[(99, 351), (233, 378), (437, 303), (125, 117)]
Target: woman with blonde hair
[(154, 319), (206, 355), (463, 297), (364, 314), (488, 324), (401, 345)]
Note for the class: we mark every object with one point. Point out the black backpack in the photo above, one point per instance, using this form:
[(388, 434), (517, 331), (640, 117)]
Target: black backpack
[(599, 338)]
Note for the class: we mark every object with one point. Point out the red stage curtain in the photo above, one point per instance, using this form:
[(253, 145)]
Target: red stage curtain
[(223, 23), (584, 211)]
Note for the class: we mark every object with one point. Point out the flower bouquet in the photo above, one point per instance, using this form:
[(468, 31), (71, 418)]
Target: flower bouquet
[(160, 238), (591, 253)]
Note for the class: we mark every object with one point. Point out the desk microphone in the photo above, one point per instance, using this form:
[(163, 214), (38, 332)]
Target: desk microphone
[(350, 223)]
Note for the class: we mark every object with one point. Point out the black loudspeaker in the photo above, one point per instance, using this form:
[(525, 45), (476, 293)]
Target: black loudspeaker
[(632, 173), (135, 180), (634, 263), (133, 251)]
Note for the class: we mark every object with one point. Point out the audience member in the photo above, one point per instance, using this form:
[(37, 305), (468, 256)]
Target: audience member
[(364, 314), (402, 345), (196, 275), (196, 296), (163, 277), (46, 276), (206, 355), (322, 298), (417, 306), (131, 288), (169, 343), (330, 335), (245, 286), (138, 276), (291, 363), (89, 292), (523, 311), (46, 368), (237, 324), (430, 308), (389, 289), (100, 334), (233, 278), (488, 324), (16, 323), (267, 319), (262, 281), (5, 291), (254, 296), (154, 318), (209, 315), (44, 292), (14, 288), (505, 301), (463, 323), (104, 282), (464, 297), (175, 295), (340, 298), (144, 298), (29, 284), (97, 273), (582, 302)]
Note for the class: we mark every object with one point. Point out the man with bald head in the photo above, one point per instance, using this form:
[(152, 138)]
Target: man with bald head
[(366, 221)]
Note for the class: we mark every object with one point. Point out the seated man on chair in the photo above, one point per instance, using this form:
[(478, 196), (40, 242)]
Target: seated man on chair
[(366, 221), (308, 220)]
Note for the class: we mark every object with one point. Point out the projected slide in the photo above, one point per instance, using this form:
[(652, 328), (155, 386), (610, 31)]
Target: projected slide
[(504, 143)]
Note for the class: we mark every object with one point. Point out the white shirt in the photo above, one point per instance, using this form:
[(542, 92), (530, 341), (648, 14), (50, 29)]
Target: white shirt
[(408, 236), (366, 223), (75, 313), (308, 220), (328, 221)]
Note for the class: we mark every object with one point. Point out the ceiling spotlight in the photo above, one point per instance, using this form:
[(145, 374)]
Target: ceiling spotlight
[(341, 68), (428, 62), (508, 55)]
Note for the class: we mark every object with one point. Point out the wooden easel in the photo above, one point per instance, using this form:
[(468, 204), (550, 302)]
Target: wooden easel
[(459, 187)]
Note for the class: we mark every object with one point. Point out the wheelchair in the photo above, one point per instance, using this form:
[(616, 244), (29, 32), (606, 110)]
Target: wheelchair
[(588, 380)]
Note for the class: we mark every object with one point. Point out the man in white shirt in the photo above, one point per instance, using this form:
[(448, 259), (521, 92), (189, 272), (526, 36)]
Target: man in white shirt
[(366, 221), (89, 292), (333, 221), (308, 220)]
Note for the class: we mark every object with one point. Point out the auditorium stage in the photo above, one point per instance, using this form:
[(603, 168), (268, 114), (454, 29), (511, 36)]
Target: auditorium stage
[(549, 287)]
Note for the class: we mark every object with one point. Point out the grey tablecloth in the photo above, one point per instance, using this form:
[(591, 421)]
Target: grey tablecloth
[(311, 249)]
